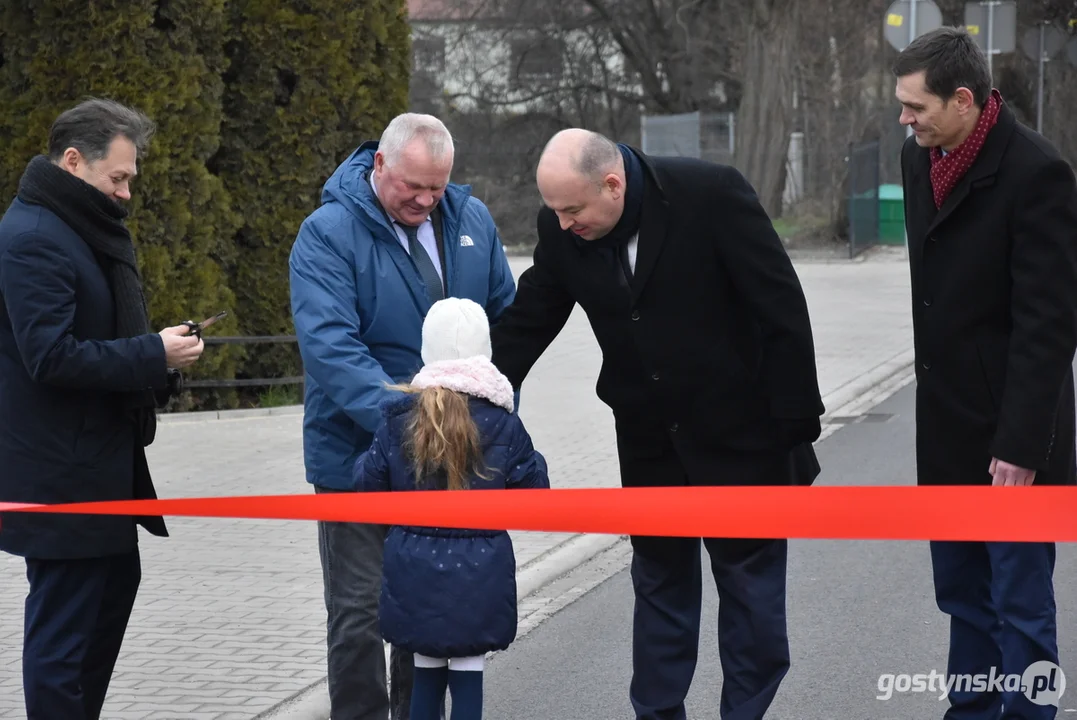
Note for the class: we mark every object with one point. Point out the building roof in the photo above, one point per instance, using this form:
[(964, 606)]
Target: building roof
[(512, 11), (446, 10)]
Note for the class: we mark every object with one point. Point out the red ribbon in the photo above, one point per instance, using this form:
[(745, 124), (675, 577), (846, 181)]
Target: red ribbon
[(1029, 514)]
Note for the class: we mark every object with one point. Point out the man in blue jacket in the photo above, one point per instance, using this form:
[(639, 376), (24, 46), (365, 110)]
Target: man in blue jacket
[(392, 237)]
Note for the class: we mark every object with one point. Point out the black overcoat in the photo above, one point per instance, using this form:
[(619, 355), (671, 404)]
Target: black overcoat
[(707, 351), (64, 433), (994, 293)]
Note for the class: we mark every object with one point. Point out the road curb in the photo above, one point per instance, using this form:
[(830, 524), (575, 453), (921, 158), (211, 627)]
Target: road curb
[(240, 414), (559, 560), (849, 393)]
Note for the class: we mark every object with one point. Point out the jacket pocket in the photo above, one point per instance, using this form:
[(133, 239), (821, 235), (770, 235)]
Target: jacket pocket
[(992, 361)]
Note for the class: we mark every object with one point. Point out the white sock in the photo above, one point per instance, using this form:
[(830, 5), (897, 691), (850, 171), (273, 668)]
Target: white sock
[(474, 663), (422, 661)]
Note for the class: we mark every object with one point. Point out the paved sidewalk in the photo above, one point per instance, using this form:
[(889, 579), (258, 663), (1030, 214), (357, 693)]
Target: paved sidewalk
[(230, 618)]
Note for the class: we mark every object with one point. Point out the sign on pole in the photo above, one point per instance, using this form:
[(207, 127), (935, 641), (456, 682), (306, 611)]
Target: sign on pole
[(907, 20), (993, 25), (1054, 40)]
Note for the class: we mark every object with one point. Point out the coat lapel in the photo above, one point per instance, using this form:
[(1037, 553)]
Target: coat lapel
[(446, 251), (653, 226), (983, 170)]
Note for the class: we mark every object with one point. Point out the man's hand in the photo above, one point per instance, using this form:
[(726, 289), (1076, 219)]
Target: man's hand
[(181, 349), (1006, 474)]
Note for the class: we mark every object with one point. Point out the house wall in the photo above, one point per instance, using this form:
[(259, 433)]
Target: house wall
[(477, 65)]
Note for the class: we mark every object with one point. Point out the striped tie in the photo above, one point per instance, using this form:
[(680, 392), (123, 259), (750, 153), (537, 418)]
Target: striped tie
[(426, 267)]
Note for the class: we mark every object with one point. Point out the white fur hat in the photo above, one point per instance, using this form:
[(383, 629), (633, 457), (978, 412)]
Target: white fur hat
[(454, 329)]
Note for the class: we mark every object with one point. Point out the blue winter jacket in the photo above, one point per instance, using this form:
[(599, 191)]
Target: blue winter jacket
[(450, 592), (358, 304)]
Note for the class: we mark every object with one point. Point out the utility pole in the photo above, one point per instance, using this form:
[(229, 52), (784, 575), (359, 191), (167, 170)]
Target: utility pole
[(912, 36), (991, 37), (1039, 86)]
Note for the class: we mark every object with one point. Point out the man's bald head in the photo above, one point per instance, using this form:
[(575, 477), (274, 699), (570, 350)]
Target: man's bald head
[(581, 177), (587, 153)]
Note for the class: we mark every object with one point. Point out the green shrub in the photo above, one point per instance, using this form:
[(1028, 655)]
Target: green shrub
[(256, 102), (166, 59), (307, 83)]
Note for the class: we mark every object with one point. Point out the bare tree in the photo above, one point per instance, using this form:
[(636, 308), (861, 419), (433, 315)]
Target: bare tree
[(681, 51), (822, 67), (765, 116), (842, 94)]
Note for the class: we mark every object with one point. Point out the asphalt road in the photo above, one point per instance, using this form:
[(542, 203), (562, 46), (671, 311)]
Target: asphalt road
[(856, 610)]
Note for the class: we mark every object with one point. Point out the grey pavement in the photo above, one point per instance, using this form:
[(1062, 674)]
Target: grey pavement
[(230, 618), (857, 610)]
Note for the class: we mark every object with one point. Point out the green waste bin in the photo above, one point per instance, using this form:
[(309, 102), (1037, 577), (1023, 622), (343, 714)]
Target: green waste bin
[(891, 215)]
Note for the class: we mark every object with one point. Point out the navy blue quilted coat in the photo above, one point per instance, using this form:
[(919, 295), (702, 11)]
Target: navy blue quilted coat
[(450, 592)]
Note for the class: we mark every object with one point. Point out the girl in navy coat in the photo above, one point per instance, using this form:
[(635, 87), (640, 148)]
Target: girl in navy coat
[(449, 595)]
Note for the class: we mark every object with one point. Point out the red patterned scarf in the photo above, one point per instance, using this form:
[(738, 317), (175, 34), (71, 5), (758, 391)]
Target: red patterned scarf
[(947, 170)]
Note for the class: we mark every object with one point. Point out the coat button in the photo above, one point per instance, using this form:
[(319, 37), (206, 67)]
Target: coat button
[(635, 314), (925, 365), (655, 376), (673, 427), (927, 302)]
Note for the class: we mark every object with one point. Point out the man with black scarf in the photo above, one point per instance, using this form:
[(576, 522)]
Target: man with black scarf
[(709, 369), (81, 376)]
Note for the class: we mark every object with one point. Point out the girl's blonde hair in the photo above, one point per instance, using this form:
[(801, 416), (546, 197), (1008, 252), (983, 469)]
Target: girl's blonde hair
[(441, 436)]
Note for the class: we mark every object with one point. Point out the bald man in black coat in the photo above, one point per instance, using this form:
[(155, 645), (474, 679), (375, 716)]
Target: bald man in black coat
[(709, 369)]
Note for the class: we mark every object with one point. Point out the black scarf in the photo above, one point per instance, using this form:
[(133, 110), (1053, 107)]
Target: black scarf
[(615, 242), (99, 221)]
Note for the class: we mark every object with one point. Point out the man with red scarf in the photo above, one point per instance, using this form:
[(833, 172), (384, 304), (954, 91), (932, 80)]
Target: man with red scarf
[(991, 214)]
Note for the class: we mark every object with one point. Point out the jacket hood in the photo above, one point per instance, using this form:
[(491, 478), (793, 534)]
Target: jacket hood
[(400, 403), (349, 187)]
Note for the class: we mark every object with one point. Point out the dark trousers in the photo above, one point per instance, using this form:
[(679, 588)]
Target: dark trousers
[(667, 576), (1001, 603), (75, 621), (752, 640), (351, 555)]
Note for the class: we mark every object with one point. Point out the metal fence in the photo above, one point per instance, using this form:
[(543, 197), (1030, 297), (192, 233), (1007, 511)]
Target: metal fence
[(710, 136), (863, 196), (246, 382)]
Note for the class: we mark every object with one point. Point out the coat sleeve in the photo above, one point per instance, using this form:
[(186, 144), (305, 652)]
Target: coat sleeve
[(527, 469), (371, 470), (538, 313), (502, 287), (38, 284), (324, 301), (763, 274), (1043, 310)]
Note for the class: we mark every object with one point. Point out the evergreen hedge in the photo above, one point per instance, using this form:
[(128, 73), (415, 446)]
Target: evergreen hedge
[(307, 83), (256, 102), (166, 59)]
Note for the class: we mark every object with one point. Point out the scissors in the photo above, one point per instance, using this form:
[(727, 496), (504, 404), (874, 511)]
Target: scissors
[(197, 327)]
